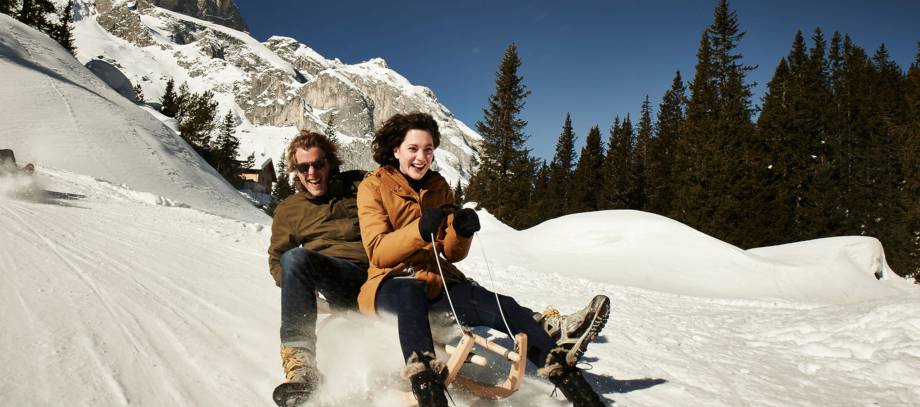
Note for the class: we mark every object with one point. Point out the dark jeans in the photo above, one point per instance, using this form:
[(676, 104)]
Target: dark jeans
[(475, 306), (303, 273)]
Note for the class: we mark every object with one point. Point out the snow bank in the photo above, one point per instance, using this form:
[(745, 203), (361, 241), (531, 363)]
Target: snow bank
[(644, 250)]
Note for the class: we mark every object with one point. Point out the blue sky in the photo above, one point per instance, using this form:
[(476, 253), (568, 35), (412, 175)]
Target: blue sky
[(594, 59)]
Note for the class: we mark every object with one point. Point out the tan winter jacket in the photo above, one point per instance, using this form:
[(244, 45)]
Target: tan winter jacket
[(389, 211), (328, 224)]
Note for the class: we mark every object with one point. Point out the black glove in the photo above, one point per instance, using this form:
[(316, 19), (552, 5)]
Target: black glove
[(430, 222), (466, 222)]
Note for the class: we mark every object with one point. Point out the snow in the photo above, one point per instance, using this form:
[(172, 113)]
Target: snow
[(131, 275)]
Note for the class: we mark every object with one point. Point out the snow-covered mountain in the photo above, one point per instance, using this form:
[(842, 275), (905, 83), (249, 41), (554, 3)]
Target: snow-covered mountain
[(274, 87), (112, 294)]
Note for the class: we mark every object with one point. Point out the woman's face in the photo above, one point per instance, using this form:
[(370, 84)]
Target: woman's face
[(415, 154)]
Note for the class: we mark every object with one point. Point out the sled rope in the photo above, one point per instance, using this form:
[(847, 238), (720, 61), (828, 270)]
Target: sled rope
[(492, 280), (444, 282)]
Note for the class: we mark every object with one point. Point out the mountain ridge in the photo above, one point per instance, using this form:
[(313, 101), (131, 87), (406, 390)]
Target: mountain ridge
[(273, 87)]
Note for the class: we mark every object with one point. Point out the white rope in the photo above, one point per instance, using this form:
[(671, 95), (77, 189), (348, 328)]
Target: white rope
[(444, 282), (492, 279)]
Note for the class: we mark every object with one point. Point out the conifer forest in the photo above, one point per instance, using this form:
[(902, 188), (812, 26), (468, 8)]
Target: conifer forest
[(832, 149)]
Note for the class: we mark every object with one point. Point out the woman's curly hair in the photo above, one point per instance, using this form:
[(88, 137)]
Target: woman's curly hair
[(393, 131)]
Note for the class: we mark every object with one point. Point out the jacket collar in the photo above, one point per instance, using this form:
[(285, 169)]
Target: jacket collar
[(396, 182)]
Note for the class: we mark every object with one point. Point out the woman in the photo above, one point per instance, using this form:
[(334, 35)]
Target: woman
[(402, 209)]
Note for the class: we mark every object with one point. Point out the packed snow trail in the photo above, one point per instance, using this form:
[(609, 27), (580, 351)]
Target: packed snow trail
[(108, 297)]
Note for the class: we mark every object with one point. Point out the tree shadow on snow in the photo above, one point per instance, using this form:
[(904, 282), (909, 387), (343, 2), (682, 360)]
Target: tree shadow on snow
[(46, 197), (63, 195)]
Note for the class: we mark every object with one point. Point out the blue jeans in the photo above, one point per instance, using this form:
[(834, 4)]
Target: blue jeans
[(303, 273), (476, 306)]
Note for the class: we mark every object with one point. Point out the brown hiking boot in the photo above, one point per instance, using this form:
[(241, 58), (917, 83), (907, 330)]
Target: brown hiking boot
[(299, 365), (575, 331)]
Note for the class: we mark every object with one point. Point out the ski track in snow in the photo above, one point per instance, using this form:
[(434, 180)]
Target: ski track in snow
[(112, 299)]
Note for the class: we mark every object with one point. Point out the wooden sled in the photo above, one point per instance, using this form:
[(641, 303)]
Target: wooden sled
[(462, 353)]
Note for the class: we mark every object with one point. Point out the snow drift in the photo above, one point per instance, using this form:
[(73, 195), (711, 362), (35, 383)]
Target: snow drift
[(644, 250)]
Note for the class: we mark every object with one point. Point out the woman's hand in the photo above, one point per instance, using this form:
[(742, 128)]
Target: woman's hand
[(430, 223), (466, 222)]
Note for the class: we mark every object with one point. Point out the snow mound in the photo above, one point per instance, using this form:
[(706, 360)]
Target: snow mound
[(58, 114), (644, 250)]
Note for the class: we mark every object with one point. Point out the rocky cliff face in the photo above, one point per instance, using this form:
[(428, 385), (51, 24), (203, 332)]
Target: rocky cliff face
[(272, 86), (223, 12)]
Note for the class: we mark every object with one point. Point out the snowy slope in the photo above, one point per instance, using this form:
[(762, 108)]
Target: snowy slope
[(110, 299), (58, 114)]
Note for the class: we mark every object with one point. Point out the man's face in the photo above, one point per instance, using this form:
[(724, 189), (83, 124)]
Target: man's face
[(312, 170)]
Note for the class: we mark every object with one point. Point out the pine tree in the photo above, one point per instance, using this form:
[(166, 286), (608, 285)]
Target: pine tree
[(226, 149), (587, 180), (283, 187), (139, 93), (909, 142), (888, 219), (611, 194), (618, 181), (662, 150), (504, 181), (169, 104), (34, 13), (779, 158), (540, 200), (7, 7), (820, 213), (331, 129), (558, 194), (717, 174), (795, 184), (183, 97), (691, 172), (639, 159), (196, 118), (62, 32), (458, 194)]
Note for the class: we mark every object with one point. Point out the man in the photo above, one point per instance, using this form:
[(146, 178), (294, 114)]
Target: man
[(316, 247)]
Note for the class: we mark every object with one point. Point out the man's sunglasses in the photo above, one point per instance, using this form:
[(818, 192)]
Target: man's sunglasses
[(317, 165)]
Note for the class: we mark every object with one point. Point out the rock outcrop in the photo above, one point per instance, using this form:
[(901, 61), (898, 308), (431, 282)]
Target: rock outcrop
[(223, 12)]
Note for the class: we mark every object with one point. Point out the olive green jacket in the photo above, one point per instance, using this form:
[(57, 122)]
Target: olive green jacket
[(328, 224)]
